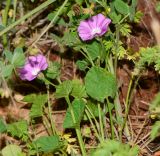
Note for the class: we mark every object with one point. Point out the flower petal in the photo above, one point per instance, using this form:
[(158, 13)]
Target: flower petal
[(95, 26)]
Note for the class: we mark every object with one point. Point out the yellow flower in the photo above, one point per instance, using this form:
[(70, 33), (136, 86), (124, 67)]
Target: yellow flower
[(10, 13)]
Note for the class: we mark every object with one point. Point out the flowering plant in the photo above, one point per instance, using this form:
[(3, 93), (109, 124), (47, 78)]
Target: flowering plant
[(83, 45), (33, 66)]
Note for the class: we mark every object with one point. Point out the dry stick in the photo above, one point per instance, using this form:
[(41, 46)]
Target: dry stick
[(51, 23), (145, 143), (140, 130), (130, 124), (143, 138)]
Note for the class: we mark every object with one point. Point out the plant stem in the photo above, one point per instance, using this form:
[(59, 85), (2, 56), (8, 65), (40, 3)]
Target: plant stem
[(116, 48), (47, 125), (5, 19), (87, 56), (100, 120), (15, 8), (111, 119), (93, 126), (43, 5), (50, 112), (77, 128), (128, 97), (97, 125)]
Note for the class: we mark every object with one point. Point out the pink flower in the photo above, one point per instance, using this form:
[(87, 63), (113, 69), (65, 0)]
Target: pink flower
[(95, 26), (33, 66)]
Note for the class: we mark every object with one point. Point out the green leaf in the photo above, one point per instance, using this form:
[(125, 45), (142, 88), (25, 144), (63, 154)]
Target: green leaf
[(138, 16), (59, 20), (79, 2), (70, 38), (82, 65), (132, 9), (78, 106), (30, 98), (115, 18), (3, 127), (115, 148), (18, 58), (18, 129), (94, 50), (8, 55), (125, 29), (7, 70), (100, 83), (53, 70), (155, 130), (64, 89), (78, 90), (121, 7), (48, 143), (93, 107), (38, 102), (12, 150), (108, 44), (158, 7)]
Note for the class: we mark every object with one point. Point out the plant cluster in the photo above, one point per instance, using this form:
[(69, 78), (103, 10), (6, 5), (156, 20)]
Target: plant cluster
[(93, 29)]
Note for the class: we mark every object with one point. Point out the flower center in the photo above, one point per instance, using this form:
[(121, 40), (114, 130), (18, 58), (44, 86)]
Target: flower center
[(96, 31), (35, 71)]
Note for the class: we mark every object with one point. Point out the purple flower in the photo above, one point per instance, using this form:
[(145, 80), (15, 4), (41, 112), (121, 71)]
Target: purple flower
[(95, 26), (33, 66)]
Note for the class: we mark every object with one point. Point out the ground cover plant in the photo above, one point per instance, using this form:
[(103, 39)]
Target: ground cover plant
[(79, 77)]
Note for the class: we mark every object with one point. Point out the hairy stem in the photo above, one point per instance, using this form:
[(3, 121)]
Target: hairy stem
[(50, 112)]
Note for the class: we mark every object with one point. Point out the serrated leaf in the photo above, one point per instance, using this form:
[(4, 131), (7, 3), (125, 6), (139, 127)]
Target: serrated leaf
[(18, 58), (12, 150), (29, 98), (100, 84), (78, 106), (53, 70), (3, 127), (64, 89), (18, 129), (38, 102), (48, 143), (121, 7), (115, 18), (108, 44), (78, 90), (70, 38), (125, 29), (82, 65), (116, 148)]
